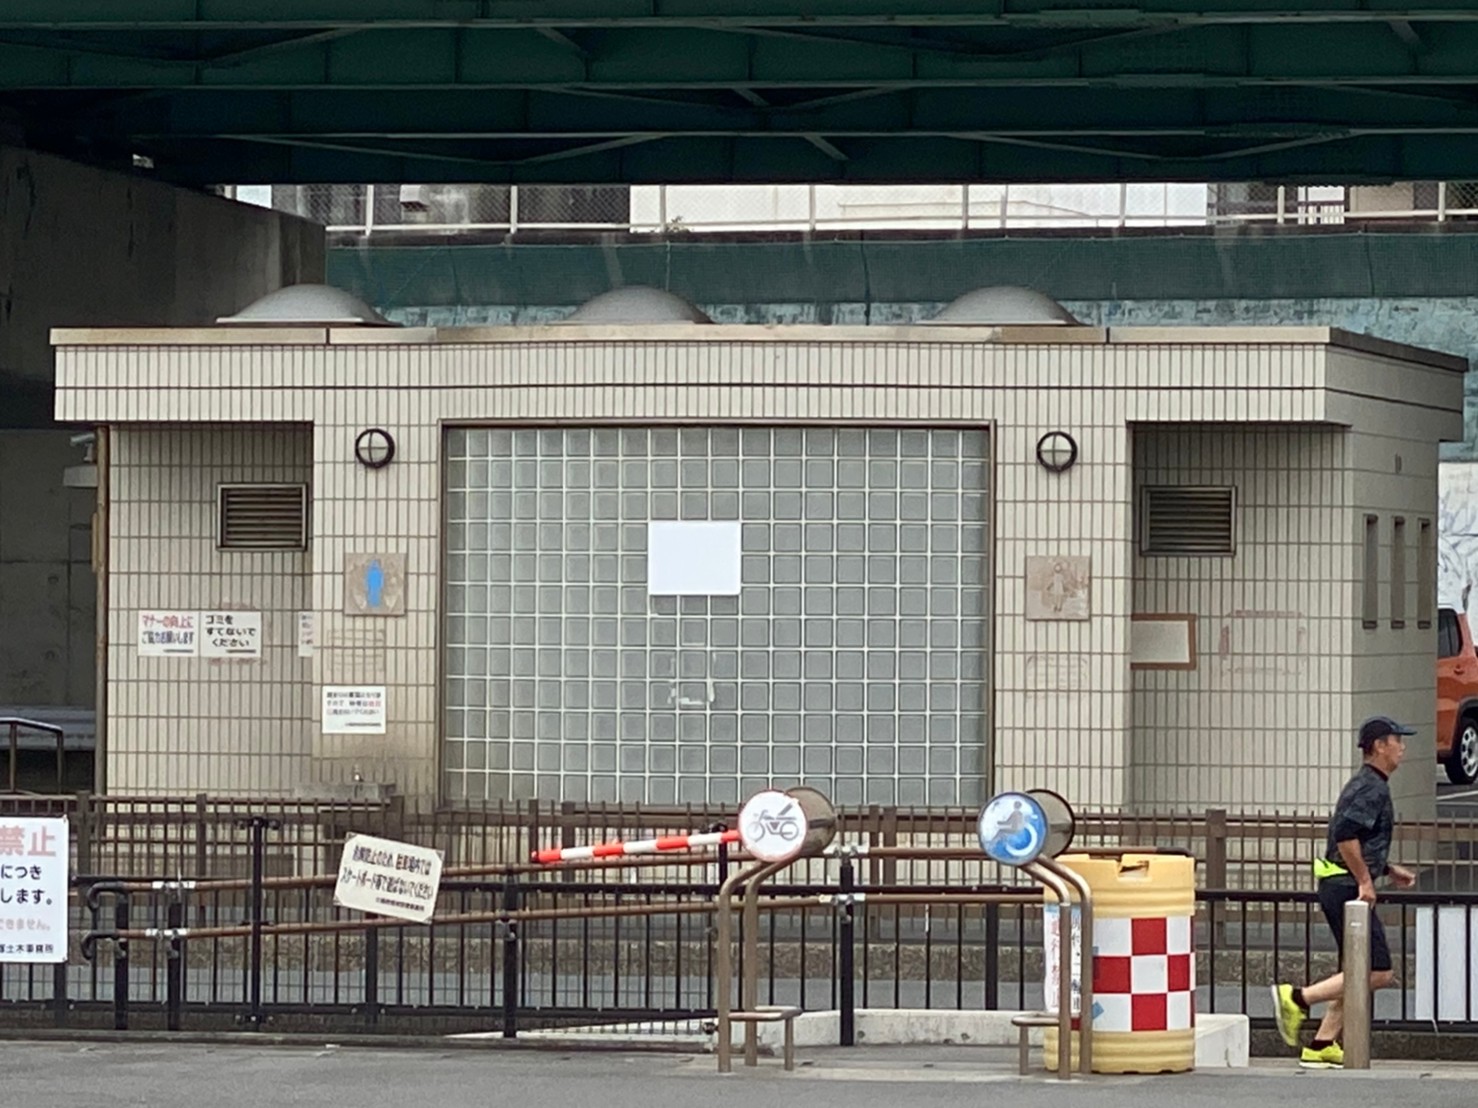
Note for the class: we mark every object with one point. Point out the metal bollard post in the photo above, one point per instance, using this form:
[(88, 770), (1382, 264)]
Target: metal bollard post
[(847, 958), (510, 960), (1357, 985), (121, 978), (174, 970)]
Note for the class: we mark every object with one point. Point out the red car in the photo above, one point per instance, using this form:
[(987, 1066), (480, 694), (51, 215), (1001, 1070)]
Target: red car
[(1457, 697)]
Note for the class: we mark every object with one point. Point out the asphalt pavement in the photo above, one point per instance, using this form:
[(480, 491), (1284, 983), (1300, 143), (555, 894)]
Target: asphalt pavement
[(1457, 801), (182, 1075)]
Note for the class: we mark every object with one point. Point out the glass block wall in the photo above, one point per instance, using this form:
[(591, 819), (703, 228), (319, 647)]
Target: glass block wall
[(853, 659)]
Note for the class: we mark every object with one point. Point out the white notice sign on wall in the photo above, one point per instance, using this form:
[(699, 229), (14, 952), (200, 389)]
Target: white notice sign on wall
[(231, 634), (354, 709), (686, 558), (307, 634), (388, 878), (164, 634), (33, 890)]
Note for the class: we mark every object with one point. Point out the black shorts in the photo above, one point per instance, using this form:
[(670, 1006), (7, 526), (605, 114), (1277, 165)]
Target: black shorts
[(1333, 893)]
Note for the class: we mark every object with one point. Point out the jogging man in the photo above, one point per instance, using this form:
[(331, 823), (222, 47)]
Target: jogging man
[(1355, 855)]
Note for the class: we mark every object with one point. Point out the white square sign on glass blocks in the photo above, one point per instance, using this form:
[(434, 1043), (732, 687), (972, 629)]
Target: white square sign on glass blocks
[(687, 558)]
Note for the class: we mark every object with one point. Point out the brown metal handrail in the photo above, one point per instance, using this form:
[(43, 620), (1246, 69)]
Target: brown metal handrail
[(16, 725)]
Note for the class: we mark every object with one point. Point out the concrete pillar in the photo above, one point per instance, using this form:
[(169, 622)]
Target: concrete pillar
[(83, 247)]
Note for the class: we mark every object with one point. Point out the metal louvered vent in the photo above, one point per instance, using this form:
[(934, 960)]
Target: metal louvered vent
[(1188, 521), (262, 517)]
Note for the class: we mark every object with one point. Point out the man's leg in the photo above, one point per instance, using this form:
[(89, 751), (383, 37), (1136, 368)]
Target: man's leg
[(1332, 1026)]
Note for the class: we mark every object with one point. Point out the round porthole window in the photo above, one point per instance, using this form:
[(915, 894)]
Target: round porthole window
[(374, 448), (1056, 451)]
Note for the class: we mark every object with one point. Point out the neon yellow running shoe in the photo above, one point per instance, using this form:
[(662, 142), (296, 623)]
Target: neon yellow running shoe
[(1331, 1057), (1289, 1015)]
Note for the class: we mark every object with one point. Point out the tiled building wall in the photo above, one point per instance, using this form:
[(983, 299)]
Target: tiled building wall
[(183, 725), (1259, 724), (1061, 688), (1395, 662)]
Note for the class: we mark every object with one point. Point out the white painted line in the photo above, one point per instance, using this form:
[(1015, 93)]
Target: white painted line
[(1457, 796)]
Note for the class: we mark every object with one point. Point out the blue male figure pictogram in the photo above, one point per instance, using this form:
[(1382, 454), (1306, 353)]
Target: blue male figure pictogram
[(374, 583)]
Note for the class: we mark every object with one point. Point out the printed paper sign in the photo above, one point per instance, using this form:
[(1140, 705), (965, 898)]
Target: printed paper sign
[(231, 635), (163, 634), (307, 634), (1052, 956), (33, 889), (354, 710), (388, 878)]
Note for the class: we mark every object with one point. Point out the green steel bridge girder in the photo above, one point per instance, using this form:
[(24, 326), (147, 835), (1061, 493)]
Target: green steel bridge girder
[(611, 91)]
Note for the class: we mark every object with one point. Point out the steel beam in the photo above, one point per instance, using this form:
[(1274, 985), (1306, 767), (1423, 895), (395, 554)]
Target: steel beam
[(1229, 114), (783, 159), (678, 59), (190, 15)]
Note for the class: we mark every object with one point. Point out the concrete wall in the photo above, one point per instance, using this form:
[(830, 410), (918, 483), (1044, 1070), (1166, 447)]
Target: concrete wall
[(79, 246)]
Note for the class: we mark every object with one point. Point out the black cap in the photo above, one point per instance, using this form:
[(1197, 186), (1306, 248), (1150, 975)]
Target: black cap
[(1378, 727)]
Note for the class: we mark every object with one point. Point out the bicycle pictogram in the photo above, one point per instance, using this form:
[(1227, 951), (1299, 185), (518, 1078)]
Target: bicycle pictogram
[(782, 824)]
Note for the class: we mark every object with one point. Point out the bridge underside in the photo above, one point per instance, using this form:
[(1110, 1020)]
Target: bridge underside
[(610, 91)]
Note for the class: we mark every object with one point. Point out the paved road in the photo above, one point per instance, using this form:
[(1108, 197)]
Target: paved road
[(184, 1076), (1457, 801)]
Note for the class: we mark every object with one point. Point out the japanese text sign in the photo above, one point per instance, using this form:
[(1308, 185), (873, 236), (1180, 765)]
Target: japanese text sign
[(351, 710), (388, 878), (231, 634), (168, 633), (33, 889)]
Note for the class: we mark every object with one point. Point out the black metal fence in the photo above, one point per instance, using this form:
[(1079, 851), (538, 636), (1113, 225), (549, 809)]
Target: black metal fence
[(204, 836), (654, 972), (1256, 923)]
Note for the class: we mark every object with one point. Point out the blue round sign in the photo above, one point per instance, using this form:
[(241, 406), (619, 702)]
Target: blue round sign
[(1013, 829)]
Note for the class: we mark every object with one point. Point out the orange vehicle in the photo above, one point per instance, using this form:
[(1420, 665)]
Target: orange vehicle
[(1457, 697)]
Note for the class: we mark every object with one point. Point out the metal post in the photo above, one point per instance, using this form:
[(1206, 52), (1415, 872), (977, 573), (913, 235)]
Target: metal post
[(174, 970), (60, 1005), (992, 957), (723, 962), (1085, 964), (513, 209), (369, 209), (749, 985), (1441, 201), (1059, 889), (1357, 985), (255, 1017), (510, 960), (120, 965), (372, 976), (847, 958)]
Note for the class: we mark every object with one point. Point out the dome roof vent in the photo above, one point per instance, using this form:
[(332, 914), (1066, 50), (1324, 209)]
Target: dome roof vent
[(1004, 306), (635, 304), (307, 305)]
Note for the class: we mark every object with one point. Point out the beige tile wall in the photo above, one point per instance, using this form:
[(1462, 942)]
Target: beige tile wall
[(1254, 726), (1394, 671), (185, 725), (1061, 690)]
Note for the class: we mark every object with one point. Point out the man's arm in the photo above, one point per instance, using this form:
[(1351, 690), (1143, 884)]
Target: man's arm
[(1349, 851)]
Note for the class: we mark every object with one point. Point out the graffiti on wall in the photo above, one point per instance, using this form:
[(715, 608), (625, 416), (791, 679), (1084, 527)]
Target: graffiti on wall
[(1457, 535)]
